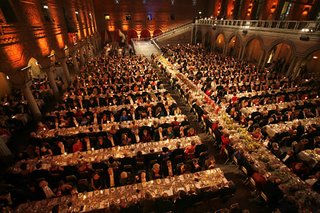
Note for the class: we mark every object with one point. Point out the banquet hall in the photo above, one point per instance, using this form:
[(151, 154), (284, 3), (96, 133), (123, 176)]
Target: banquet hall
[(160, 106)]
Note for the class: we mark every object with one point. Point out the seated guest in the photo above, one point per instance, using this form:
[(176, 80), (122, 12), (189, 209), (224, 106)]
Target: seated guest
[(110, 140), (124, 116), (60, 150), (256, 134), (112, 163), (168, 169), (101, 144), (125, 139), (210, 163), (195, 166), (189, 150), (45, 192), (155, 173), (177, 151), (136, 136), (146, 137), (40, 173), (125, 179), (170, 133), (289, 158), (77, 146), (97, 181), (112, 179), (159, 135), (44, 151), (148, 203), (182, 202), (87, 143), (164, 204), (141, 177), (191, 132)]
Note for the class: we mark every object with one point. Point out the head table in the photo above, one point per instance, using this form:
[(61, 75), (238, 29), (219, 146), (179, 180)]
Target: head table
[(212, 180), (104, 154), (51, 133), (259, 157)]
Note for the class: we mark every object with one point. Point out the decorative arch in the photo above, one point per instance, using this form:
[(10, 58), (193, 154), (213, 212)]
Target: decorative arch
[(207, 40), (145, 34), (288, 57), (254, 49), (4, 85), (157, 32), (219, 42), (311, 63), (234, 45), (131, 34), (249, 39), (35, 68)]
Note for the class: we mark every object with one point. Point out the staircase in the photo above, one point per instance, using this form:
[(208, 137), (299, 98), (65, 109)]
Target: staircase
[(146, 48)]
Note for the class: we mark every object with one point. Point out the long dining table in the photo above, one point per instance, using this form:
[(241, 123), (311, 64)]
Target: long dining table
[(208, 180), (100, 155), (258, 156), (51, 133)]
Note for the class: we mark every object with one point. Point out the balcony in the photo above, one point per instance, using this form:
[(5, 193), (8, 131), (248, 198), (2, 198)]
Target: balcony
[(265, 25)]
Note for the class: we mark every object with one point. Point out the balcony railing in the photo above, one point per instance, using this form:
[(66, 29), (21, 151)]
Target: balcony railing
[(305, 26)]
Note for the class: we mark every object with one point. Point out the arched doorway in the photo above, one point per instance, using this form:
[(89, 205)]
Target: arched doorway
[(157, 32), (279, 56), (4, 85), (234, 46), (310, 66), (131, 34), (219, 43), (254, 50), (199, 37), (145, 34), (207, 42), (35, 68)]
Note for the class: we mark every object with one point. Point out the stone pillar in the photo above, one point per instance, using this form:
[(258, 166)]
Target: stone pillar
[(265, 59), (242, 53), (262, 59), (65, 69), (75, 62), (31, 102), (82, 59), (292, 63), (52, 81)]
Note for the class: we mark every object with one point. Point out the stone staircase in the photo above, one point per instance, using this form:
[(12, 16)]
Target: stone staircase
[(146, 48)]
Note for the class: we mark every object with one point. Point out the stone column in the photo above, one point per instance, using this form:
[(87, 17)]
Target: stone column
[(265, 59), (65, 69), (31, 102), (75, 62), (52, 81), (262, 59), (82, 59), (292, 63)]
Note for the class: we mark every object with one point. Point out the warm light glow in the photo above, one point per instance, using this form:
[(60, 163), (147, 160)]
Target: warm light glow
[(315, 57), (60, 40), (77, 12), (43, 45), (125, 27), (305, 11), (45, 7), (14, 54), (7, 77)]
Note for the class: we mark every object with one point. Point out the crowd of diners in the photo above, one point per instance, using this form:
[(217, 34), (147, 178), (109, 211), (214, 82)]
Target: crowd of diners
[(254, 98), (132, 81)]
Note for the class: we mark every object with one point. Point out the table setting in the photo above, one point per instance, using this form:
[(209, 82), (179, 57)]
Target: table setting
[(212, 180), (254, 151)]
